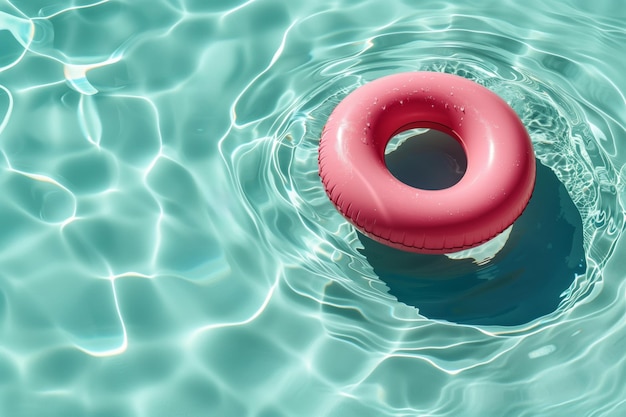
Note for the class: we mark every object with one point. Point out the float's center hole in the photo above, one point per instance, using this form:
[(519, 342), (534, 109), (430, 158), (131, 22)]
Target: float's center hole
[(426, 158)]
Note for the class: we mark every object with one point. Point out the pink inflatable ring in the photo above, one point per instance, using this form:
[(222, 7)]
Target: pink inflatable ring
[(490, 196)]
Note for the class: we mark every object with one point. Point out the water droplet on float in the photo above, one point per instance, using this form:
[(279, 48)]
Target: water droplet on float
[(451, 93), (446, 106), (401, 101), (432, 106), (384, 107)]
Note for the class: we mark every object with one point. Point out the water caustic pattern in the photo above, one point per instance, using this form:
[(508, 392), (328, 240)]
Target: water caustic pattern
[(167, 249)]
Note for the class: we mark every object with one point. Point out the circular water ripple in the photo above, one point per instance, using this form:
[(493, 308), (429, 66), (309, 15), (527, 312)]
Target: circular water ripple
[(574, 135), (562, 127)]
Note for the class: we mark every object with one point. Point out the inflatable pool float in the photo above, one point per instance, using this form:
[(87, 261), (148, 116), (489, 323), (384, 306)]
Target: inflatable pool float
[(491, 195)]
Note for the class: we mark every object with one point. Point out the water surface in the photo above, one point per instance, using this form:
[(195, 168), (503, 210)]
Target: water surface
[(167, 248)]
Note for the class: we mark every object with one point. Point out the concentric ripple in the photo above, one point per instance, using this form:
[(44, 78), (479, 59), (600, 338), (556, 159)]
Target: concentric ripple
[(167, 247)]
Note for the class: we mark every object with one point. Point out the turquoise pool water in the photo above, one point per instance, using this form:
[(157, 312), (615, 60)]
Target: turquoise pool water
[(167, 249)]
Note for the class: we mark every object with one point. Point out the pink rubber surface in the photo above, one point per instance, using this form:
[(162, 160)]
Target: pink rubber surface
[(494, 191)]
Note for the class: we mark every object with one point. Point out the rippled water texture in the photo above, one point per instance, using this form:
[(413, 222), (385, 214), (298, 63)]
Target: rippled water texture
[(167, 248)]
